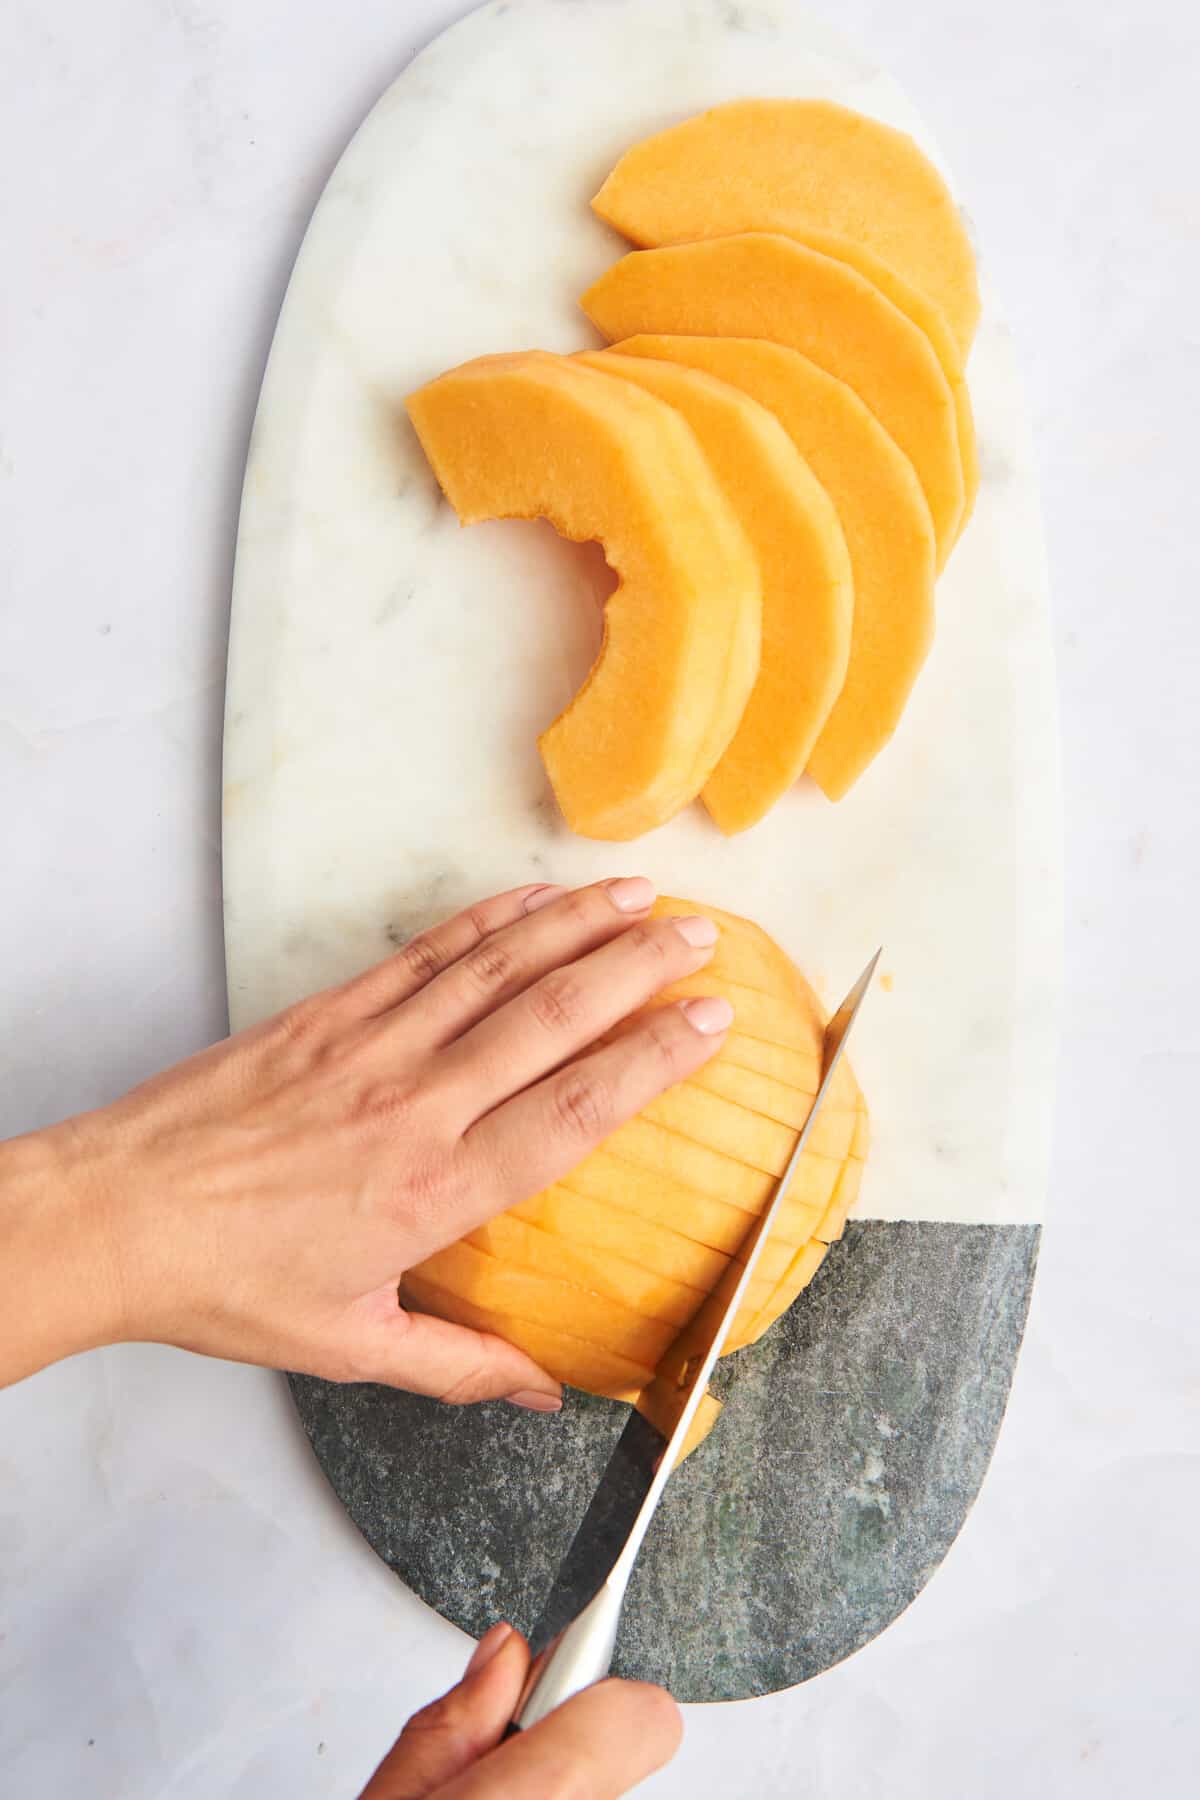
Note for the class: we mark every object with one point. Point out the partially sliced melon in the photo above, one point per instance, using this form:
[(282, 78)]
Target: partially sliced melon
[(640, 1188), (804, 1266), (807, 591), (801, 165), (764, 285), (884, 519), (735, 1130), (596, 1368), (621, 1230), (607, 1277), (535, 435), (511, 1288)]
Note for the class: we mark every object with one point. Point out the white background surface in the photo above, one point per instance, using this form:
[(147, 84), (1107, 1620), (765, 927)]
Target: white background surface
[(183, 1610)]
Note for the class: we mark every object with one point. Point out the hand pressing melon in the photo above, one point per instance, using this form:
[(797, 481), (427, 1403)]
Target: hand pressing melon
[(536, 435), (599, 1276)]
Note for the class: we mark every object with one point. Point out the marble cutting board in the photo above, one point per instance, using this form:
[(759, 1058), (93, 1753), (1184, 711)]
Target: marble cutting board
[(388, 675)]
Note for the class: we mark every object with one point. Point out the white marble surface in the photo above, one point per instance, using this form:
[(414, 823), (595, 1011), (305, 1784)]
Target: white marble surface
[(389, 672), (183, 1611)]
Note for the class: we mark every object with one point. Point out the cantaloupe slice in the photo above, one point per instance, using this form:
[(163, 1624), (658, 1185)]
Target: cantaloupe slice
[(885, 522), (763, 285), (807, 592), (800, 165), (605, 1275), (538, 435), (926, 316)]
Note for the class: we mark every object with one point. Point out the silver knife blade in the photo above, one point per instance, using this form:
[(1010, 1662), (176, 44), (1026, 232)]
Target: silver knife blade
[(596, 1569)]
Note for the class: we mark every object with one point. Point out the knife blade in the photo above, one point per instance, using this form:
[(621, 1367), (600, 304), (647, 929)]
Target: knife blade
[(575, 1636)]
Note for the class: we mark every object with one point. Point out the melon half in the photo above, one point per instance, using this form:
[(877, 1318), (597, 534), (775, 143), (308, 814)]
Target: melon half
[(601, 1276)]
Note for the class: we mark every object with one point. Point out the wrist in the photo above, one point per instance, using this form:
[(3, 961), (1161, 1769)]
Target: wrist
[(60, 1247)]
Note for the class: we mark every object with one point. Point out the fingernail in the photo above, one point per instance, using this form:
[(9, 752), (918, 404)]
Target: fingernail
[(488, 1645), (538, 897), (709, 1014), (631, 893), (696, 931), (535, 1401)]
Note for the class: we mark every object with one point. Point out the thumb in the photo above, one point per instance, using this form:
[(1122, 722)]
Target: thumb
[(413, 1350)]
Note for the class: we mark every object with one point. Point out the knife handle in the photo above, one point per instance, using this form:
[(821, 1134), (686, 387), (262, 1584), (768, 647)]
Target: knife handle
[(581, 1654)]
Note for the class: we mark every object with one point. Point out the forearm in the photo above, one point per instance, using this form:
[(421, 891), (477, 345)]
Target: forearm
[(58, 1252)]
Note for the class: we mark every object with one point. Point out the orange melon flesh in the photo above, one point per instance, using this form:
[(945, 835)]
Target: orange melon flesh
[(626, 1184), (801, 165), (534, 435), (661, 1249), (604, 1275), (807, 591), (885, 522), (596, 1368), (929, 319), (763, 285)]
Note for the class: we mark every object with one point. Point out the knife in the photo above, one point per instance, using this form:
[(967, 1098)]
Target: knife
[(574, 1639)]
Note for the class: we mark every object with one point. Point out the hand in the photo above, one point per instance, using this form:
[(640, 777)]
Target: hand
[(600, 1744), (262, 1200)]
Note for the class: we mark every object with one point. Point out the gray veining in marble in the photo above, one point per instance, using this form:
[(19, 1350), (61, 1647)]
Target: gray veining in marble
[(853, 1441)]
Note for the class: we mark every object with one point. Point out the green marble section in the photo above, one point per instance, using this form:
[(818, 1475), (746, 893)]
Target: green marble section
[(854, 1439)]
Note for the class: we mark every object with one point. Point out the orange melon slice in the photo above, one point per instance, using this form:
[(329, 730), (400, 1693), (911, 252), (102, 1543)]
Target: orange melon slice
[(535, 435), (603, 1276), (807, 591), (927, 317), (801, 165), (885, 522), (763, 285)]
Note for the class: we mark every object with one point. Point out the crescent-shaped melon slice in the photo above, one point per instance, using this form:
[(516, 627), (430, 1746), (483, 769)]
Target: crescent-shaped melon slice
[(884, 519), (792, 165), (807, 590), (762, 285), (535, 435)]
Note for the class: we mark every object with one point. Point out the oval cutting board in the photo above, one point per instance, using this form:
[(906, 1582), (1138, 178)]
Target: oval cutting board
[(388, 676)]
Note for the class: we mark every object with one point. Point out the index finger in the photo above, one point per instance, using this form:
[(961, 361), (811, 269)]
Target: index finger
[(596, 1747), (425, 956)]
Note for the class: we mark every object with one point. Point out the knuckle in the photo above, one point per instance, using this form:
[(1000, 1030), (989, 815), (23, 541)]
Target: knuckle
[(581, 907), (582, 1104), (421, 958), (431, 1187), (556, 1002), (649, 940), (299, 1025), (471, 1384), (385, 1106), (480, 920), (441, 1718), (663, 1043), (490, 966)]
